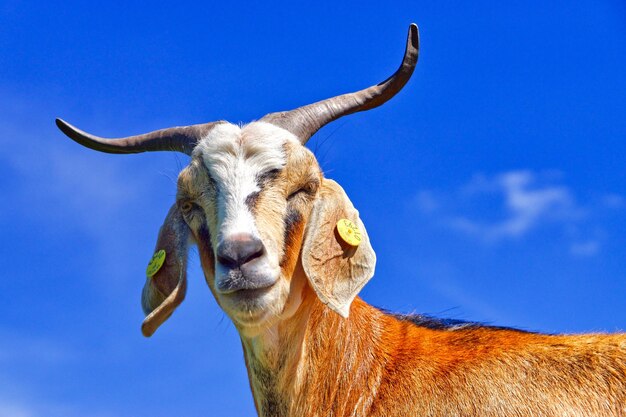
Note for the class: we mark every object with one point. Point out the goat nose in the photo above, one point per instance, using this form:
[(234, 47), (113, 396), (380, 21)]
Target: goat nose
[(239, 249)]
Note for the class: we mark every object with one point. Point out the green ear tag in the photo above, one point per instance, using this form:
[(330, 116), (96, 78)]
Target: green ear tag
[(155, 263)]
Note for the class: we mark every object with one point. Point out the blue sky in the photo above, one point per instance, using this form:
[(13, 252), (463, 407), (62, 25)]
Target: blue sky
[(493, 186)]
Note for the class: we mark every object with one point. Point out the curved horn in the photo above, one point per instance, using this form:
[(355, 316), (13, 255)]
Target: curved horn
[(305, 121), (182, 139)]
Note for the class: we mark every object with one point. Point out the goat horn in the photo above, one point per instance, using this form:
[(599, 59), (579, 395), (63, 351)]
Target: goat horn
[(182, 139), (306, 120)]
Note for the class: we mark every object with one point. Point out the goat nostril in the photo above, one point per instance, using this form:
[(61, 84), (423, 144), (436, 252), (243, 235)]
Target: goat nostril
[(227, 261), (235, 252)]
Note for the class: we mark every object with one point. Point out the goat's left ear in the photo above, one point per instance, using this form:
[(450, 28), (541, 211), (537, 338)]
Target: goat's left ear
[(335, 270), (165, 289)]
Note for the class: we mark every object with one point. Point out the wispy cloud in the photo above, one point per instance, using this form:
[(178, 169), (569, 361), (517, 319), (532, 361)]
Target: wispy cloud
[(34, 408), (57, 183), (57, 188), (526, 204), (588, 248), (514, 204), (458, 292), (36, 350), (15, 410), (614, 201)]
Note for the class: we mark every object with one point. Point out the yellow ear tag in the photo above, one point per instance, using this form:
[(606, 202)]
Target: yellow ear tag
[(155, 263), (349, 232)]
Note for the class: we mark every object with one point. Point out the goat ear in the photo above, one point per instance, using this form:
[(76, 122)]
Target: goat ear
[(165, 290), (335, 270)]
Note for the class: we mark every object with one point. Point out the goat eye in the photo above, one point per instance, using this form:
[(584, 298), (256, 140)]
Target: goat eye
[(295, 194), (307, 189), (186, 207), (311, 187)]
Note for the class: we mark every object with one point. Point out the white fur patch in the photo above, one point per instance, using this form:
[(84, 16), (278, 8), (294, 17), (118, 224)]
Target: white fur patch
[(235, 156)]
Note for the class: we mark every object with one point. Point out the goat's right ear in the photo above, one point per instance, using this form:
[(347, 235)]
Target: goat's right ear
[(335, 270), (165, 289)]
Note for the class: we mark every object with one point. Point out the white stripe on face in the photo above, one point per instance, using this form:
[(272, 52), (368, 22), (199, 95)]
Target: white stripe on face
[(235, 157)]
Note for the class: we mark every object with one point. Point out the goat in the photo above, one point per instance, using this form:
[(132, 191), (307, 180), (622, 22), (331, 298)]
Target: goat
[(285, 254)]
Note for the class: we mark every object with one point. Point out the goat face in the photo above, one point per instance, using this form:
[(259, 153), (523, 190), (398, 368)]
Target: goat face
[(246, 197), (255, 202)]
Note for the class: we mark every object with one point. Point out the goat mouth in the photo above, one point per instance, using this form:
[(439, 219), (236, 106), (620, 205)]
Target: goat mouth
[(247, 306), (244, 283), (248, 294)]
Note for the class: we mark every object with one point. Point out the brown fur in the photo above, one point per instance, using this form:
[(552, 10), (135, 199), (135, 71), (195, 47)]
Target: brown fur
[(373, 364)]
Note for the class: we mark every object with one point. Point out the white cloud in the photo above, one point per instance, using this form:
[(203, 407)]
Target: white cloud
[(18, 348), (15, 410), (526, 204), (614, 201), (426, 201), (50, 184), (55, 187), (514, 204), (34, 408), (50, 178), (588, 248)]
